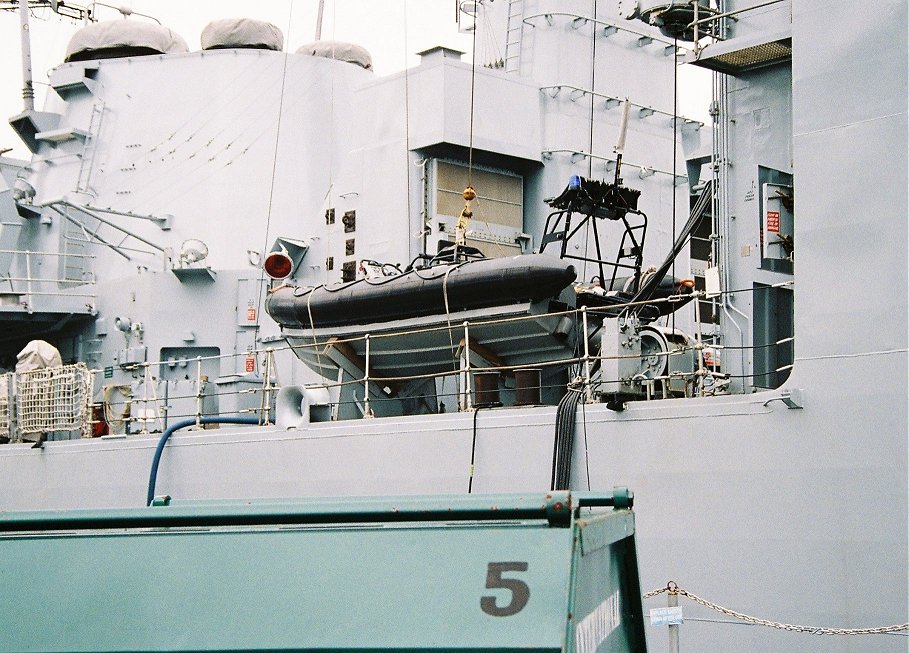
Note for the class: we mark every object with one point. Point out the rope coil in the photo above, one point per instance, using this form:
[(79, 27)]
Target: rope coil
[(673, 589)]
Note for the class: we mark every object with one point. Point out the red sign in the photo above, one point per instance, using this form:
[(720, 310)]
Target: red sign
[(773, 221), (251, 313), (250, 363)]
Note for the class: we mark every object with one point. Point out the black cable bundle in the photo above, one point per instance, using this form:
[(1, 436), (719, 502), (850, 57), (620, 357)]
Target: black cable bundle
[(566, 415)]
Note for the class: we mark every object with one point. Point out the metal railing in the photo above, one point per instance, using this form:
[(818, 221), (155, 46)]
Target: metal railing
[(612, 102), (29, 284), (705, 378), (608, 28), (58, 399), (611, 162)]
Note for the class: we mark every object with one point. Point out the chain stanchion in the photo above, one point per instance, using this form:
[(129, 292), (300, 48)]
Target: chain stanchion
[(673, 602), (672, 588)]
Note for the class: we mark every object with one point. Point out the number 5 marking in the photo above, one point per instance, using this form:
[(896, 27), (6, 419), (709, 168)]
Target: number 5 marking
[(520, 592)]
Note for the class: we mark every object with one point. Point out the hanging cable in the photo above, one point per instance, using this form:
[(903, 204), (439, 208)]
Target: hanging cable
[(274, 170), (563, 445), (675, 145), (586, 449), (492, 46), (407, 119), (454, 357), (331, 150), (593, 88), (473, 450), (473, 76)]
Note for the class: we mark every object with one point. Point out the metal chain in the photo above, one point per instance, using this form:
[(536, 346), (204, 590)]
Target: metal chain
[(672, 588)]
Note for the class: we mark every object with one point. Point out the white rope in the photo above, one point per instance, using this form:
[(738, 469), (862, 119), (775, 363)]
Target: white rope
[(448, 313)]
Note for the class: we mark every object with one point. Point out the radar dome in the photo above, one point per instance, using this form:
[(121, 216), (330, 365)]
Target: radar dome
[(241, 33), (122, 38), (349, 52)]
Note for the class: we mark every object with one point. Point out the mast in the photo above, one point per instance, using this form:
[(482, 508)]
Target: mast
[(28, 92), (319, 20)]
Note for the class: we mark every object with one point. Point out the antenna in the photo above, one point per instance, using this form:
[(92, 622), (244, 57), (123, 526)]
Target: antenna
[(28, 92), (319, 20), (124, 11), (620, 145)]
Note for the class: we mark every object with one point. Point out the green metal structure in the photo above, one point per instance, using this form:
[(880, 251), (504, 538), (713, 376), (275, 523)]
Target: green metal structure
[(554, 572)]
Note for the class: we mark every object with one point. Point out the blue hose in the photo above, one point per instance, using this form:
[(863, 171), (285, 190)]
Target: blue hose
[(153, 477)]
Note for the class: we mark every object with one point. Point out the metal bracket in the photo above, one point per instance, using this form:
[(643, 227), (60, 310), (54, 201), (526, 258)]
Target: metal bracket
[(559, 506), (791, 397)]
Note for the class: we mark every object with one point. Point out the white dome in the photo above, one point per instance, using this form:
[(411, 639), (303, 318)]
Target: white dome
[(349, 52), (241, 33), (102, 38)]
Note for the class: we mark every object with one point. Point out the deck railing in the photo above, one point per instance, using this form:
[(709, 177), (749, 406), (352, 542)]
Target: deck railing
[(35, 287), (60, 399)]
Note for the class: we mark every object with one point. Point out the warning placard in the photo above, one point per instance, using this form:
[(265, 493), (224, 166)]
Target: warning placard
[(773, 221), (251, 311), (250, 364)]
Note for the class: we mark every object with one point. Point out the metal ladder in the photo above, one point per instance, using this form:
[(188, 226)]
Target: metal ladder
[(83, 181), (514, 35)]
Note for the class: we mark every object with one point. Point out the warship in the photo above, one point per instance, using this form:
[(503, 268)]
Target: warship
[(256, 270)]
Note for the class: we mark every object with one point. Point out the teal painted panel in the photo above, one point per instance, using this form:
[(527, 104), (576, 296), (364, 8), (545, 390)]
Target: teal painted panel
[(604, 530), (607, 614), (402, 586)]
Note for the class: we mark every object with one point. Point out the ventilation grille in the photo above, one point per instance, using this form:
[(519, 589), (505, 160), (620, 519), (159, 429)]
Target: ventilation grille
[(725, 58), (759, 55)]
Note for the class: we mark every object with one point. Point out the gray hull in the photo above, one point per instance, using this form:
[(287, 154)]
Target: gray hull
[(788, 503)]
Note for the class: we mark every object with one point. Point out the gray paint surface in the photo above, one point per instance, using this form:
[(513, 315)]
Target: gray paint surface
[(796, 515)]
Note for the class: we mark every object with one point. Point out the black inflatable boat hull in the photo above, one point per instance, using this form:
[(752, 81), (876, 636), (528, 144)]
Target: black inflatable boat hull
[(436, 290)]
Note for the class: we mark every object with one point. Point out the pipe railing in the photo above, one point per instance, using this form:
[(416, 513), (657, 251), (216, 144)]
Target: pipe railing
[(29, 285), (585, 362)]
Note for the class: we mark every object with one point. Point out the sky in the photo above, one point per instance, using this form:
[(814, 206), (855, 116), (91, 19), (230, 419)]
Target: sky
[(378, 26), (392, 30)]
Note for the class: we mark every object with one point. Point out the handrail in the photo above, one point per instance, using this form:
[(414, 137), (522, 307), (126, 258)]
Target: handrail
[(548, 506), (163, 222), (318, 344), (589, 19), (644, 171), (32, 293), (584, 359), (90, 213), (727, 14), (34, 284), (611, 98), (504, 368), (28, 251)]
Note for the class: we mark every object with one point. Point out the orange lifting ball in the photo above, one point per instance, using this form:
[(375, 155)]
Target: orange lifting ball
[(469, 193)]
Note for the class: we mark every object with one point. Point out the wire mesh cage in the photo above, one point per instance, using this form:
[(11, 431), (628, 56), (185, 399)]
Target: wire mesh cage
[(54, 399)]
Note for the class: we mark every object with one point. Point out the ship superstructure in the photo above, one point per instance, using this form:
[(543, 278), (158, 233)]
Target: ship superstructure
[(763, 426)]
